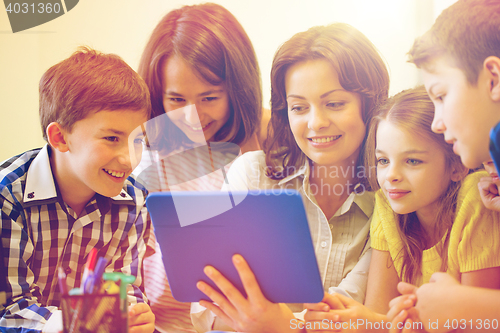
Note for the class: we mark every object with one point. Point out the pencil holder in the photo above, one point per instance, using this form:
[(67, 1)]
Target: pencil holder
[(94, 313)]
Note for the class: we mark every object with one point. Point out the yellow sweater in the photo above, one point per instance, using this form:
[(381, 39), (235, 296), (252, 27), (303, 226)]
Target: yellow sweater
[(474, 240)]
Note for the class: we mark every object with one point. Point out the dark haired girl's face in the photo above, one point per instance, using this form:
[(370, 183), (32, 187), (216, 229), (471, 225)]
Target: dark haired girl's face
[(198, 108), (325, 119)]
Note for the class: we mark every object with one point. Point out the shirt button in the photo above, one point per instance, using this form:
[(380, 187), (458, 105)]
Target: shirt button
[(323, 244), (67, 270), (123, 195), (331, 226), (31, 195)]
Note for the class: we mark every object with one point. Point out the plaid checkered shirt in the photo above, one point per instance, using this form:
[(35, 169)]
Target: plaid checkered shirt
[(41, 233)]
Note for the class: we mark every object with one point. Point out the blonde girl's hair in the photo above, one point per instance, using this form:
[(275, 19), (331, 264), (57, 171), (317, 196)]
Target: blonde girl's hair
[(412, 110)]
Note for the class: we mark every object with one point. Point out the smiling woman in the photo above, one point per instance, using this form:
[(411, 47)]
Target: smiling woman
[(325, 119), (326, 82)]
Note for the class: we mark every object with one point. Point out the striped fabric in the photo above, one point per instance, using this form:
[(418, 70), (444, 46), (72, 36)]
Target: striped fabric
[(188, 170), (170, 315), (184, 170), (41, 233)]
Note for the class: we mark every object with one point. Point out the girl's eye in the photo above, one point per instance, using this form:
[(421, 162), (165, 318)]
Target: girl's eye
[(413, 161), (138, 141), (176, 99), (111, 138), (382, 161), (335, 105), (209, 99)]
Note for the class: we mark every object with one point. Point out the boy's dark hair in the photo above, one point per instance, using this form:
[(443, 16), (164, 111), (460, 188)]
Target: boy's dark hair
[(468, 32), (210, 39), (89, 81)]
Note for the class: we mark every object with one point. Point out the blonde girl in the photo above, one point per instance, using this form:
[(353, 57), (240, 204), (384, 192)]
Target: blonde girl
[(428, 215)]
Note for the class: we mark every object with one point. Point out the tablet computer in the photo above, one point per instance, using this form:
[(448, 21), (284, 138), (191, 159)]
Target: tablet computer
[(268, 228)]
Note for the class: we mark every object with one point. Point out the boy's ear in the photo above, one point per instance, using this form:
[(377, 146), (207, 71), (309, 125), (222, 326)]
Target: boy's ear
[(458, 172), (492, 67), (56, 135)]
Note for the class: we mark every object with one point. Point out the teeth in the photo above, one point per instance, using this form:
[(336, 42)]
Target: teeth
[(325, 140), (199, 128), (115, 173)]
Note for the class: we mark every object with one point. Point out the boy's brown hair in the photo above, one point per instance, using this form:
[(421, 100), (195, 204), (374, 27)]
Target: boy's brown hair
[(89, 81), (468, 31)]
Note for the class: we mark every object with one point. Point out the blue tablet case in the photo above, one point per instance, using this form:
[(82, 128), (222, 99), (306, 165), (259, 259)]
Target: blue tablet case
[(495, 145), (268, 228)]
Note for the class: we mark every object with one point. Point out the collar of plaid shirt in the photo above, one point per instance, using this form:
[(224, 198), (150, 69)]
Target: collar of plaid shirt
[(40, 183), (44, 235)]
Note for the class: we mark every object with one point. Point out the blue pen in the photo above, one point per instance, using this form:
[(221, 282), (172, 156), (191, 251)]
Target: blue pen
[(88, 282), (98, 271)]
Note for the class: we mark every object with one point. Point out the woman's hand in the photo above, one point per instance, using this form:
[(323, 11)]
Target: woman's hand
[(320, 317), (345, 315), (252, 314)]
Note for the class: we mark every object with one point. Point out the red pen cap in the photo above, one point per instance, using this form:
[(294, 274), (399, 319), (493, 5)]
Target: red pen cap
[(91, 259)]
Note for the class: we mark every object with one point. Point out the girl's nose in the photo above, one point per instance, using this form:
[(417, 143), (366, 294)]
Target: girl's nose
[(393, 174), (191, 115)]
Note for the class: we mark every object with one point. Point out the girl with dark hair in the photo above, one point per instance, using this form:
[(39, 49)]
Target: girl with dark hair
[(202, 73), (326, 83), (200, 55)]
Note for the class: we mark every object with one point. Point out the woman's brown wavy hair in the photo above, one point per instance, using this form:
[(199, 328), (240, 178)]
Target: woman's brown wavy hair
[(359, 67)]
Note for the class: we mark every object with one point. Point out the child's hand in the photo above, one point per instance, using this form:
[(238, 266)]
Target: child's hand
[(253, 313), (400, 303), (434, 302), (402, 323), (407, 300), (141, 319), (488, 189), (402, 314)]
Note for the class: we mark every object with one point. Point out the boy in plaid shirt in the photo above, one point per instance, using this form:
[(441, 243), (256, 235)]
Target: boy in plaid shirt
[(75, 193)]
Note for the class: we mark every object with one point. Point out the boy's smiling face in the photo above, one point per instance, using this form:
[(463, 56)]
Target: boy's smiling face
[(98, 156), (464, 113)]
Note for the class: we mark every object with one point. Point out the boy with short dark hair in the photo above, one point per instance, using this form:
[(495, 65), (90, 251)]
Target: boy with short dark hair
[(460, 59), (75, 194)]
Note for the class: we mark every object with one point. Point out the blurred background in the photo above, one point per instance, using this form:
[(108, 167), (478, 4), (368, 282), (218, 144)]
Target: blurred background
[(123, 27)]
